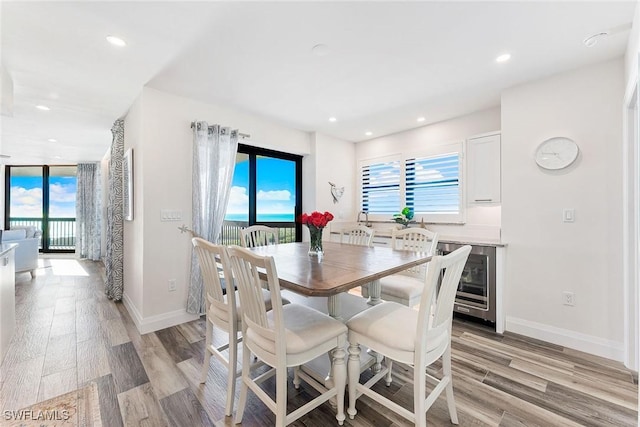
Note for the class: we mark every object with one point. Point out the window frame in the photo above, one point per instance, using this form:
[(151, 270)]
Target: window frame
[(46, 202), (253, 152)]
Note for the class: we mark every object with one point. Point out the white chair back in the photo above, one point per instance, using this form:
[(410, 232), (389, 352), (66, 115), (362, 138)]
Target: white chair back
[(245, 266), (221, 311), (415, 240), (218, 280), (311, 334), (423, 343), (357, 235), (437, 317), (258, 235)]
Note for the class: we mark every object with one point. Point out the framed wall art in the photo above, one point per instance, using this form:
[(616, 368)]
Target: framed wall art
[(127, 184)]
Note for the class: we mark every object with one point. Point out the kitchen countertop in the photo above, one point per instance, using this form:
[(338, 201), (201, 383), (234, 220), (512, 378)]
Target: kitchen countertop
[(385, 230), (478, 241)]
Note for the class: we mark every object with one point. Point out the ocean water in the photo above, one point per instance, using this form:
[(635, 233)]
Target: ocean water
[(262, 217)]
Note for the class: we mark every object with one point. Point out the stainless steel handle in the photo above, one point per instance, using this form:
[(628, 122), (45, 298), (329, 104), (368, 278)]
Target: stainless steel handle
[(464, 310), (483, 200)]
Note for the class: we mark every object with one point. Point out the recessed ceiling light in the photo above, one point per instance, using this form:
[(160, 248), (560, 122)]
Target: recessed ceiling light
[(57, 157), (420, 119), (43, 107), (116, 41), (332, 119), (593, 39), (52, 140), (368, 133), (503, 58)]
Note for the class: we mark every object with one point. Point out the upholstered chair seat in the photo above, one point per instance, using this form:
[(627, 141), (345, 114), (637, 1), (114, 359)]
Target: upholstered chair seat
[(407, 287)]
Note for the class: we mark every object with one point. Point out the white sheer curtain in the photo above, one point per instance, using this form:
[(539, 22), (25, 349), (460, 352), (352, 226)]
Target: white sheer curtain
[(214, 159), (88, 211)]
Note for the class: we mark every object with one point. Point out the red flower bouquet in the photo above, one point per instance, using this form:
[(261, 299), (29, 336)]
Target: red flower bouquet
[(316, 221)]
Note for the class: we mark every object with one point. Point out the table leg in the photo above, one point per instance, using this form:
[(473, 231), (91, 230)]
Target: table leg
[(375, 289), (334, 306), (377, 366)]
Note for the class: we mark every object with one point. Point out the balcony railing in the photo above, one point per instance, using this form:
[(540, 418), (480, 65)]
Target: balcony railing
[(231, 231), (61, 232)]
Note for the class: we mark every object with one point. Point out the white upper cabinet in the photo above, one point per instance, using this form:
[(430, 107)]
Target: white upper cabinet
[(483, 169)]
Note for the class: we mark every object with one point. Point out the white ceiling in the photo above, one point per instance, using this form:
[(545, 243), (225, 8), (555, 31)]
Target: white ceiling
[(387, 63)]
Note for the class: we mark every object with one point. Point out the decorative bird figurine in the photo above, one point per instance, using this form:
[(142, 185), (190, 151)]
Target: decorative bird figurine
[(336, 192)]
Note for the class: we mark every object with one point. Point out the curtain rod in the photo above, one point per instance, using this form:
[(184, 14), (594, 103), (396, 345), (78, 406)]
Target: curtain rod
[(241, 135)]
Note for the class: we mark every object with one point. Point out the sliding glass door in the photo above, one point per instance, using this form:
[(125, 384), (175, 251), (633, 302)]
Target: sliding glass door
[(266, 189), (44, 197)]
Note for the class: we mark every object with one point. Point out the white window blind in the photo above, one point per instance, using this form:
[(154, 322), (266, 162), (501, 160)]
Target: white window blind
[(433, 185), (381, 187)]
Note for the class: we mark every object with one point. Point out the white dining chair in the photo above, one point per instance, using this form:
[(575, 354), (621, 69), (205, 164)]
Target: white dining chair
[(258, 235), (407, 287), (425, 338), (223, 313), (357, 235), (287, 336)]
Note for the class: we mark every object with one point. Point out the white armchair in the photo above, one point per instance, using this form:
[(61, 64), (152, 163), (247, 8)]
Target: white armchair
[(28, 240)]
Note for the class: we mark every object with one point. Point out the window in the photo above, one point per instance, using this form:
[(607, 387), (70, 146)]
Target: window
[(381, 187), (44, 197), (433, 186), (267, 190), (429, 183)]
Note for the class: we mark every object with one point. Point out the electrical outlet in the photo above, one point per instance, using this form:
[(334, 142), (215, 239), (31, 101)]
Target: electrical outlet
[(568, 215), (172, 285), (568, 298)]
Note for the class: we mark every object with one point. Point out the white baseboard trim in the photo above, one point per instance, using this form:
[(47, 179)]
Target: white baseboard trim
[(157, 322), (588, 343)]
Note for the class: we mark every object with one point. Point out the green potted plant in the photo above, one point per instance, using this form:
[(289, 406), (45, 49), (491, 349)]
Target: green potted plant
[(405, 217)]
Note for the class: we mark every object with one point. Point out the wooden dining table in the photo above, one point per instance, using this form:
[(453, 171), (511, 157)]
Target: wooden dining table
[(341, 267)]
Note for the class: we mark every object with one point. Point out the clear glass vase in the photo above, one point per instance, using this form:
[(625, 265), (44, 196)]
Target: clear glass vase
[(315, 241)]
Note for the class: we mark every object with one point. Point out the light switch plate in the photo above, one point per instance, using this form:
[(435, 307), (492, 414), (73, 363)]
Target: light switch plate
[(170, 215)]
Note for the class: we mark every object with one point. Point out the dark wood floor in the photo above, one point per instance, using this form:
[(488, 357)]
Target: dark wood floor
[(69, 334)]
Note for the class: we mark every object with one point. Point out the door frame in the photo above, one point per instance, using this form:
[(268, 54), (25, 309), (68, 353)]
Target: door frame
[(631, 219)]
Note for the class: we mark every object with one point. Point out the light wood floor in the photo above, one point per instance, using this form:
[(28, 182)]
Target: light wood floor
[(70, 334)]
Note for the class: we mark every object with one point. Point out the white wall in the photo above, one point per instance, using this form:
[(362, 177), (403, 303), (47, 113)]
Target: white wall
[(633, 48), (481, 221), (158, 128), (6, 92), (334, 162), (545, 255)]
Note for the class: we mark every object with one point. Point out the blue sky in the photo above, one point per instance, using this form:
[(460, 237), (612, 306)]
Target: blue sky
[(275, 192), (26, 197)]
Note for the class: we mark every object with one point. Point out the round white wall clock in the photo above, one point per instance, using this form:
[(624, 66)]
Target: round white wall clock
[(557, 153)]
